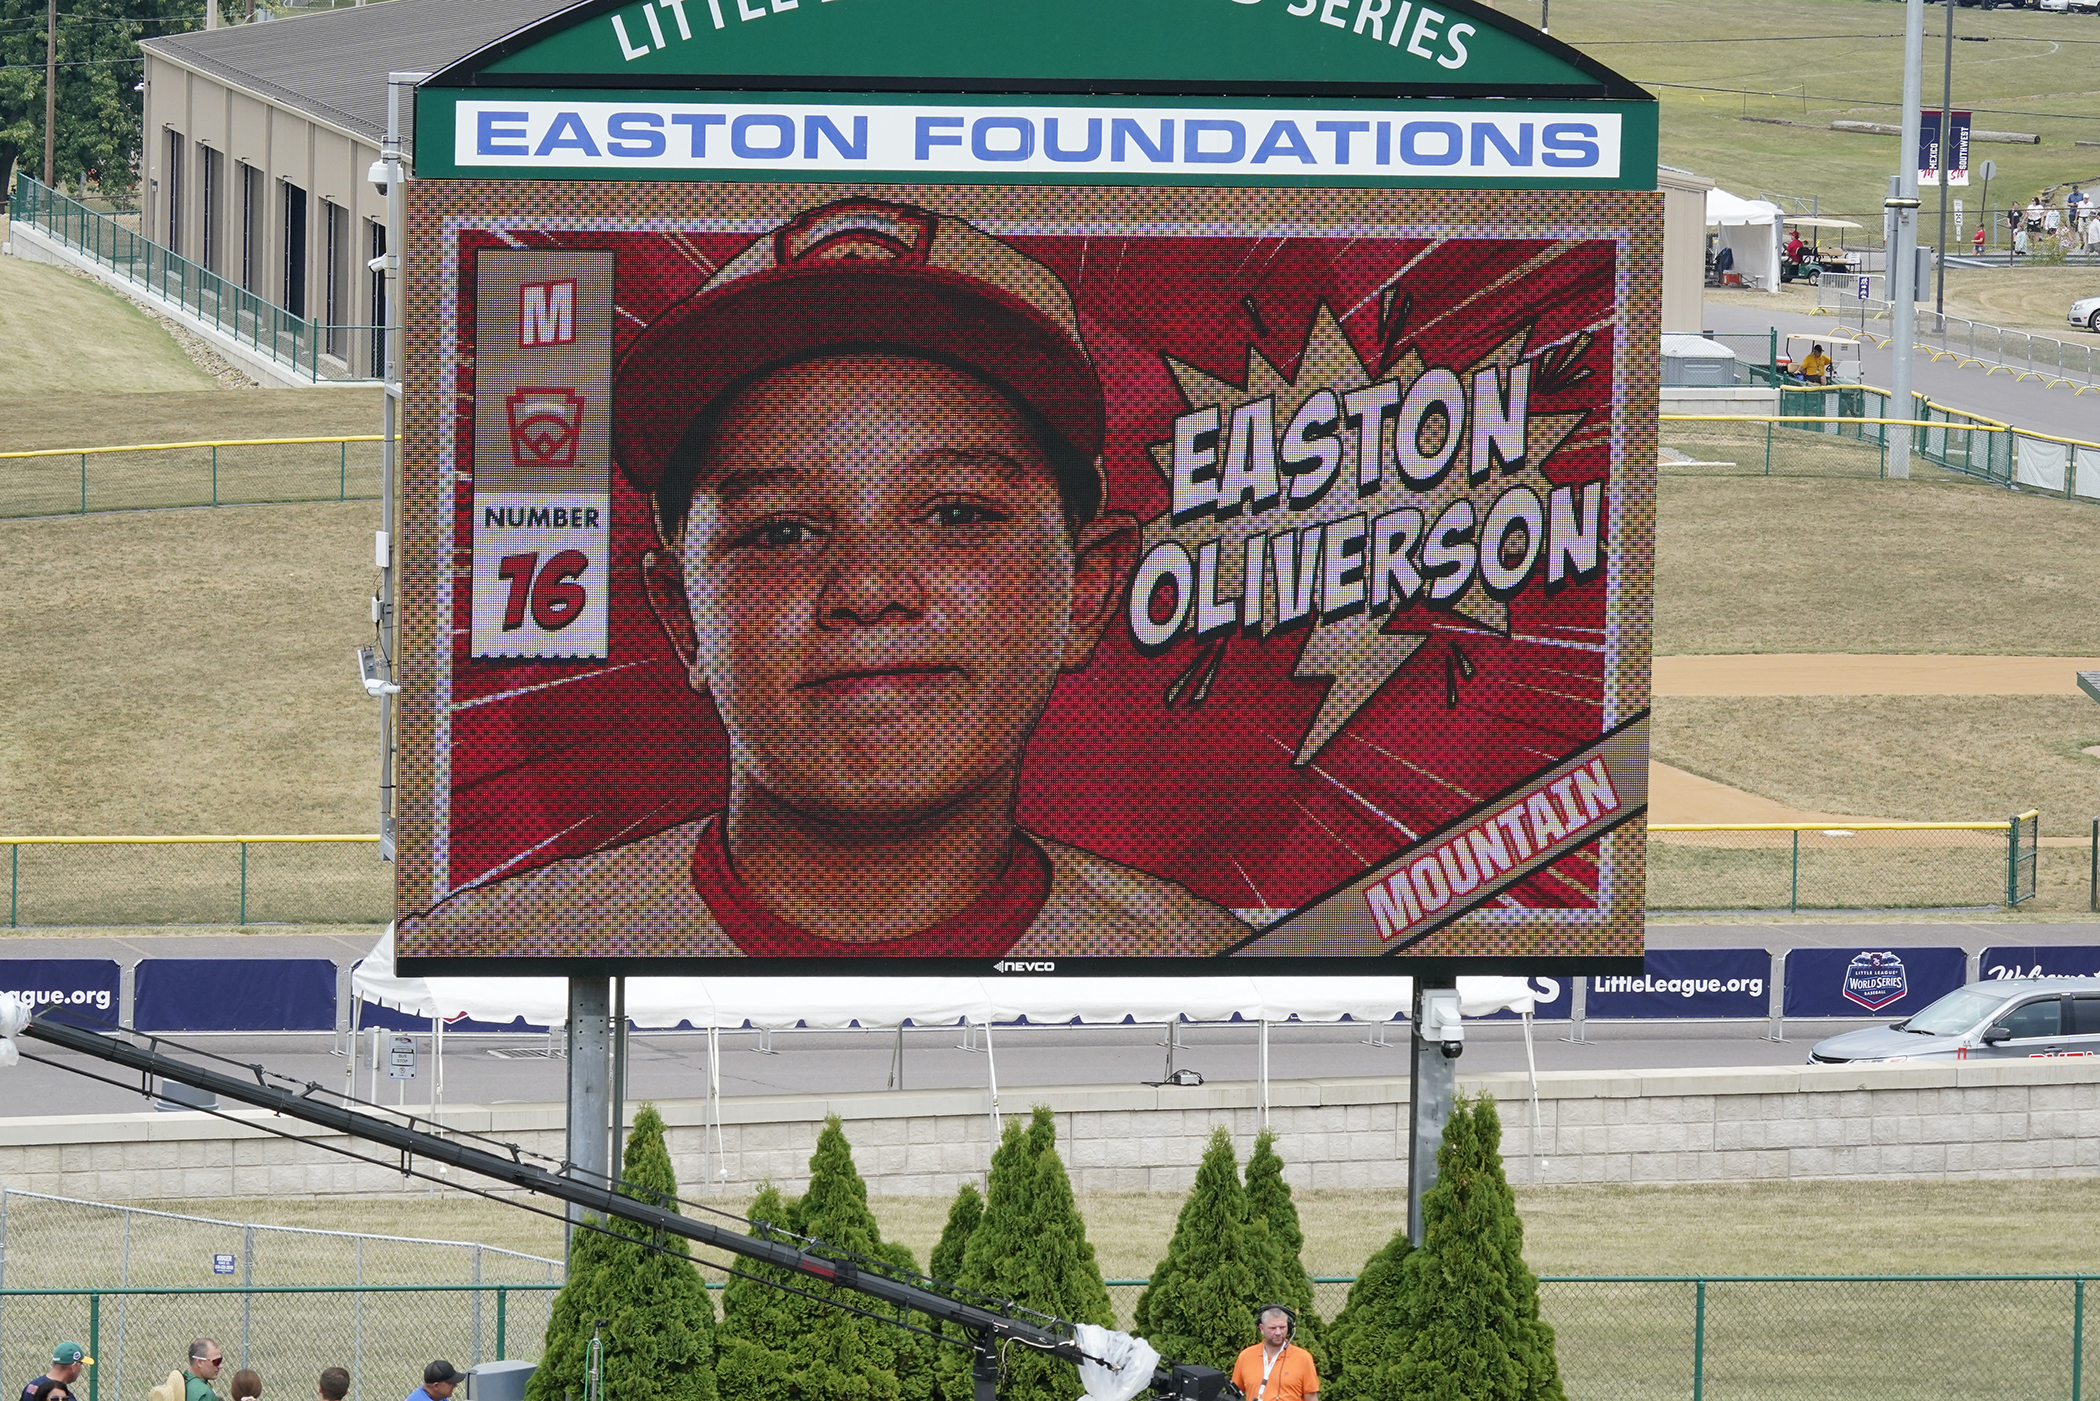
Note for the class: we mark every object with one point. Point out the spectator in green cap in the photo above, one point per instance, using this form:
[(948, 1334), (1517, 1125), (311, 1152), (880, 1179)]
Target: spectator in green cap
[(67, 1361)]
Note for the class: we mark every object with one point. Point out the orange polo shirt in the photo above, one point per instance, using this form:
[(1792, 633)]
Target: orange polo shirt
[(1292, 1376)]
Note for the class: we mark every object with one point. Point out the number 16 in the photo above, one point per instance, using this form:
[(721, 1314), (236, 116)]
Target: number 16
[(557, 599)]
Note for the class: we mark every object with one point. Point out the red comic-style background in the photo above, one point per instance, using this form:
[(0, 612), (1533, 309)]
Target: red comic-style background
[(554, 759)]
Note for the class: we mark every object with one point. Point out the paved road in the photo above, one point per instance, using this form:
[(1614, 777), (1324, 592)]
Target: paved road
[(516, 1069), (2028, 404)]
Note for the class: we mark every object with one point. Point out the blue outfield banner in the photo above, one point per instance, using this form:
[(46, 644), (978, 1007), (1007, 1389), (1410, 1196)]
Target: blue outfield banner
[(1686, 983), (1853, 982), (234, 994), (374, 1014), (2037, 961), (84, 991)]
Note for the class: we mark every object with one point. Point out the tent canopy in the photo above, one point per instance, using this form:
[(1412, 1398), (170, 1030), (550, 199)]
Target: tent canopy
[(1725, 208), (816, 1003)]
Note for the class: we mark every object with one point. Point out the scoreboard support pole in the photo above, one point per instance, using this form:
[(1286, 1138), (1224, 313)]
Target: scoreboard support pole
[(1432, 1083), (590, 1085)]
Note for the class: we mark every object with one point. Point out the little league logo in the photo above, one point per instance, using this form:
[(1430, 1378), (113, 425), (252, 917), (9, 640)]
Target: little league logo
[(544, 425), (1874, 980)]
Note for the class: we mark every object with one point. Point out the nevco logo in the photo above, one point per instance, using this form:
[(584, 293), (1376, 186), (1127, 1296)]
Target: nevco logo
[(1009, 965)]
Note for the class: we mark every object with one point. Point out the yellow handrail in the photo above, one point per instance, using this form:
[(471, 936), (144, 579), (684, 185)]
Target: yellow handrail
[(174, 841), (218, 443), (1998, 826)]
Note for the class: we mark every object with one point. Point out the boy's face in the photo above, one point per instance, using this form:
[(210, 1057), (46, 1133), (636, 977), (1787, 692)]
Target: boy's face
[(877, 585)]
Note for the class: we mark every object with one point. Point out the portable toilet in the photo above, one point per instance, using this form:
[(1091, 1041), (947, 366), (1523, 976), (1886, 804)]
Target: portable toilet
[(1695, 361)]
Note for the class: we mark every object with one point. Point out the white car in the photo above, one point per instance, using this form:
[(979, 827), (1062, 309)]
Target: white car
[(2086, 312)]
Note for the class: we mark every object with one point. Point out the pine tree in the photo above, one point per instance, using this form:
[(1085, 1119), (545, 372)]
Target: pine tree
[(1281, 1276), (946, 1261), (1030, 1246), (1369, 1320), (780, 1346), (659, 1342), (1199, 1305), (1463, 1322)]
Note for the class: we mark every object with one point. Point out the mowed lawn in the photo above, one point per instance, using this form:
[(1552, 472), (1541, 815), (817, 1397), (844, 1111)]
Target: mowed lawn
[(61, 334), (1738, 1228)]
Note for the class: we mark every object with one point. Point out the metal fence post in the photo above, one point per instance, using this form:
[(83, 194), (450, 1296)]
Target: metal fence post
[(1793, 899), (2012, 862), (214, 474), (502, 1307), (477, 1308), (2094, 902), (83, 484), (244, 885), (1699, 1341), (247, 1286), (95, 1346), (14, 897), (2077, 1337), (342, 470)]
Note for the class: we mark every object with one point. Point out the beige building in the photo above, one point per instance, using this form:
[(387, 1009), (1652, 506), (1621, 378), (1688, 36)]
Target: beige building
[(258, 139)]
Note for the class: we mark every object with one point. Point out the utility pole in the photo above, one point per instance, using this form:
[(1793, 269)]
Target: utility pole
[(1903, 246), (1939, 300), (50, 92)]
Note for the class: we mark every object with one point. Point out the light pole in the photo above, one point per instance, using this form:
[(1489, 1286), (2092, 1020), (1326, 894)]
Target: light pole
[(1903, 249), (1939, 302)]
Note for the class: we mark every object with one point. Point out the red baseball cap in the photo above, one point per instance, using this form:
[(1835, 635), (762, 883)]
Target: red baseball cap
[(858, 275)]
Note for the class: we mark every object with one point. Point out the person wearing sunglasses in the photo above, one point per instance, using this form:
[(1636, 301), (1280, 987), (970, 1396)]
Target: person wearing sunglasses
[(67, 1362), (205, 1361)]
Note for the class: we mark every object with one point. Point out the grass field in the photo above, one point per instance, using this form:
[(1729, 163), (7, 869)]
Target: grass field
[(61, 334), (1809, 62), (2038, 1226), (188, 671), (1907, 758), (1792, 565), (2023, 298)]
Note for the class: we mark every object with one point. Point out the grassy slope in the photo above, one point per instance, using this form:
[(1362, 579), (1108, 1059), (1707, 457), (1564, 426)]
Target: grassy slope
[(2034, 65), (61, 334)]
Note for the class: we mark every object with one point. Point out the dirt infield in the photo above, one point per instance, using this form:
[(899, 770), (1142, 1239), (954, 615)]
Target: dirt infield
[(1677, 796), (1841, 674)]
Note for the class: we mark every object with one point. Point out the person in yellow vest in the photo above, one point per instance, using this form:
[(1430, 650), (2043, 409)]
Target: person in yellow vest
[(1276, 1369), (1816, 366)]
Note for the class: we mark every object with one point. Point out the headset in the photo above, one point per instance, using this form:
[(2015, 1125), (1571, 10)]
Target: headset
[(1287, 1311)]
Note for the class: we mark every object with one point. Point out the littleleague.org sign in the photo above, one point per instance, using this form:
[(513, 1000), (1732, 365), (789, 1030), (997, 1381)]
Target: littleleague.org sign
[(627, 139)]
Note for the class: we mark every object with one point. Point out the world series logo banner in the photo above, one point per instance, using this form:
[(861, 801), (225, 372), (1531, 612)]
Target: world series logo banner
[(1229, 577)]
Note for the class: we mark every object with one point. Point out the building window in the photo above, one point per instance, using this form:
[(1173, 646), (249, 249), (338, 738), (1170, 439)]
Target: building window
[(376, 241), (294, 300), (174, 188), (336, 233), (210, 175), (251, 227)]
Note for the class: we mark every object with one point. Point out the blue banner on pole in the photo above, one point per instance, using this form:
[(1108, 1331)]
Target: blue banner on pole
[(1855, 982), (1686, 983), (2040, 961), (82, 991), (234, 994)]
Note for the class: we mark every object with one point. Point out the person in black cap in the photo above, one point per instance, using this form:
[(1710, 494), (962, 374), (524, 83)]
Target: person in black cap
[(872, 443), (439, 1378)]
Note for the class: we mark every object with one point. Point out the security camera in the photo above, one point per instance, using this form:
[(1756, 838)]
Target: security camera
[(374, 678), (377, 173), (1442, 1023)]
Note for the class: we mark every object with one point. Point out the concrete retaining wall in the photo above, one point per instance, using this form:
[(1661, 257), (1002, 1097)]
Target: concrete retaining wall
[(2021, 1119)]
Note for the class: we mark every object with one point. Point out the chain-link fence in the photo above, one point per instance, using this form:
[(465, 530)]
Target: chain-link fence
[(1803, 1338), (1870, 866), (146, 476), (196, 880), (313, 349), (136, 1286)]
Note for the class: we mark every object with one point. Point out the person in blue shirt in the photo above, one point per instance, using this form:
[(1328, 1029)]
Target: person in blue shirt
[(439, 1378)]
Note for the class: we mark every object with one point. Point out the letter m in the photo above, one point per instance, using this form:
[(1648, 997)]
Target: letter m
[(546, 314)]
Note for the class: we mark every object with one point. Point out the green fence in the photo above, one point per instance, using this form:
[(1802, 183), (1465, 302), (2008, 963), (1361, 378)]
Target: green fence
[(1714, 1338), (55, 881), (314, 350), (151, 476), (1816, 866)]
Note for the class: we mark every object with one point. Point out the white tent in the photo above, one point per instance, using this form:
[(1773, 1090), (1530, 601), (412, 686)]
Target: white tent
[(1750, 228), (718, 1004)]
